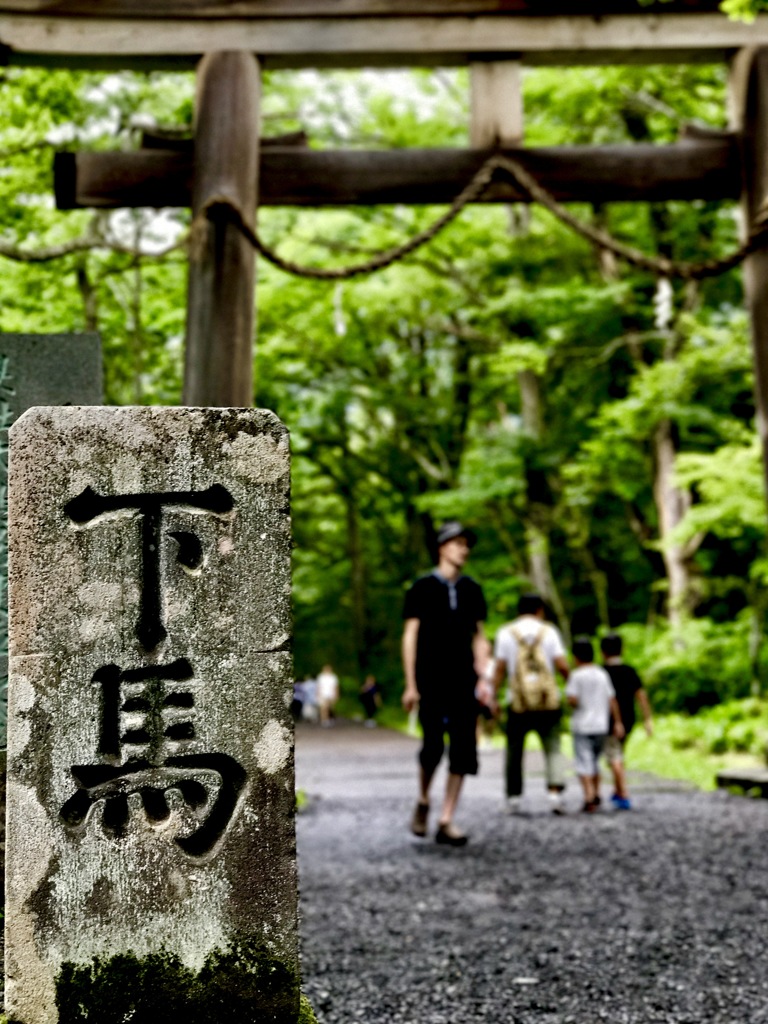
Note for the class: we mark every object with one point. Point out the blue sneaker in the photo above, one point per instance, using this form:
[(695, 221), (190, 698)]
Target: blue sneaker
[(621, 803)]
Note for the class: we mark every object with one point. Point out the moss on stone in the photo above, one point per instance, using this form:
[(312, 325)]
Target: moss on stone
[(306, 1013), (241, 985)]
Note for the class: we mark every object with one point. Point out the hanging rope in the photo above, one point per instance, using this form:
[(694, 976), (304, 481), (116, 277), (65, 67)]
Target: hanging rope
[(217, 206), (220, 207), (658, 265)]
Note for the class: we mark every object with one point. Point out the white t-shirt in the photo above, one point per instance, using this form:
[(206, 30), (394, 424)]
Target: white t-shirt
[(528, 627), (592, 687), (327, 686)]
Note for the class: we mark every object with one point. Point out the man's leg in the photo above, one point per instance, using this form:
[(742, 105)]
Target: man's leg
[(516, 731), (549, 734), (462, 760), (453, 786), (447, 834), (425, 781), (433, 745)]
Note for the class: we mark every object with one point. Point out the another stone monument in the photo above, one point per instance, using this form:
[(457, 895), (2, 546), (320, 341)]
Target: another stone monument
[(38, 369), (151, 846)]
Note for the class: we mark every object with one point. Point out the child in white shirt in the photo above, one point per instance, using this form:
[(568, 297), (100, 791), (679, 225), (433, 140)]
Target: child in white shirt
[(590, 693)]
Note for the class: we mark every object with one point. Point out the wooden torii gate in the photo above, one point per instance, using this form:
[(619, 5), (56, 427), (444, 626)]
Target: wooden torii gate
[(229, 41)]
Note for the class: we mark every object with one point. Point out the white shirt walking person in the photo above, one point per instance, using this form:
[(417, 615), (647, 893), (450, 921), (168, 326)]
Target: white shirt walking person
[(327, 694)]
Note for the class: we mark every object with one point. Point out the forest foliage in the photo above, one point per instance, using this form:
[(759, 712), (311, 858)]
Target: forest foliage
[(593, 424), (742, 10)]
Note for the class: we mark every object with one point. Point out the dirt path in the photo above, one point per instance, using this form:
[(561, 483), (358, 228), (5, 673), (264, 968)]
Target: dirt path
[(656, 915)]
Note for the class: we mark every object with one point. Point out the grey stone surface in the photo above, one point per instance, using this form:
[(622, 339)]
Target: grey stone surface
[(38, 369), (150, 755), (49, 369)]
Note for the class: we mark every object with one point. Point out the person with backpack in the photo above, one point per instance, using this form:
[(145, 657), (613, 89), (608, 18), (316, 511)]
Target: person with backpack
[(528, 652)]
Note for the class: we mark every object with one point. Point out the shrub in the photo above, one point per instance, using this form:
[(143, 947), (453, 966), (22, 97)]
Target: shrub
[(701, 664)]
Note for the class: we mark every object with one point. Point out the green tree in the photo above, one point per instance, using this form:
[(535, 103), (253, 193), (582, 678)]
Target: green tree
[(507, 373)]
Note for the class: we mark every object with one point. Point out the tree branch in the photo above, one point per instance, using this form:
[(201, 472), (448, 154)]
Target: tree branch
[(84, 244)]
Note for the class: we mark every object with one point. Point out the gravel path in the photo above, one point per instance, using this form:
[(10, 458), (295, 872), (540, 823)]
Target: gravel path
[(656, 915)]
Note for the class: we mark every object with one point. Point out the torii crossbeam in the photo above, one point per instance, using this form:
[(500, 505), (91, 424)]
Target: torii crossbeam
[(365, 33)]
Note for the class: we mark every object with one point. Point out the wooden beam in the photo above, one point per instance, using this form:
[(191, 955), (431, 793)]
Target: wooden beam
[(347, 8), (183, 143), (220, 304), (749, 88), (496, 104), (698, 169), (377, 41)]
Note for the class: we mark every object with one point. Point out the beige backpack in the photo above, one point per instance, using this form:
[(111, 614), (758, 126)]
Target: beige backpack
[(533, 685)]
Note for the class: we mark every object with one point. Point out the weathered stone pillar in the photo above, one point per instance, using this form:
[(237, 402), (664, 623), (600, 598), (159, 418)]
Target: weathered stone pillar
[(38, 369), (151, 858)]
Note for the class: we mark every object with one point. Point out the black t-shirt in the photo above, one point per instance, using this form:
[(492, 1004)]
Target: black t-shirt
[(448, 618), (626, 683)]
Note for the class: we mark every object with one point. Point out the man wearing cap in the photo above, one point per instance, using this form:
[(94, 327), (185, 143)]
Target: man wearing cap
[(442, 652)]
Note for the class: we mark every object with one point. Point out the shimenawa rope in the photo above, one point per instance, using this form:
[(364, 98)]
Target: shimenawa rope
[(222, 207)]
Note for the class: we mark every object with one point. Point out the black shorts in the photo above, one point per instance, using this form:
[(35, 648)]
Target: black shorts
[(460, 723)]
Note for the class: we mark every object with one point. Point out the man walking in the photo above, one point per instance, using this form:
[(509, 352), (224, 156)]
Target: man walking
[(529, 651), (442, 653)]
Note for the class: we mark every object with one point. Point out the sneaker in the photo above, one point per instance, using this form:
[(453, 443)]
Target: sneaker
[(419, 820), (621, 803), (514, 805), (590, 807), (449, 835), (556, 804)]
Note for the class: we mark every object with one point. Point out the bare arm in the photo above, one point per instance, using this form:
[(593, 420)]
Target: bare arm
[(496, 682), (410, 638), (498, 676), (645, 707), (480, 649), (561, 664)]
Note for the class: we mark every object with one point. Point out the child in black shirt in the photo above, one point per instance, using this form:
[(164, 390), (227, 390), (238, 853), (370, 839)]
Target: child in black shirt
[(628, 687)]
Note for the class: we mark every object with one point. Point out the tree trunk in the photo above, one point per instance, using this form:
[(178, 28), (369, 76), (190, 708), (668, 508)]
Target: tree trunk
[(671, 504), (89, 296), (357, 580), (537, 520), (758, 603), (462, 396), (540, 572), (599, 581)]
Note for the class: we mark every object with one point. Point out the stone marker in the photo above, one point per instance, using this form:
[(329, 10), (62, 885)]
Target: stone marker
[(151, 845), (38, 369)]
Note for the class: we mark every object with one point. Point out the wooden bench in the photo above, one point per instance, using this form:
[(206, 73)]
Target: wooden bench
[(744, 779)]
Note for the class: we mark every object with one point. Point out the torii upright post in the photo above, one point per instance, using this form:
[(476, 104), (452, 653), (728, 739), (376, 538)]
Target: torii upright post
[(749, 114), (219, 345)]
